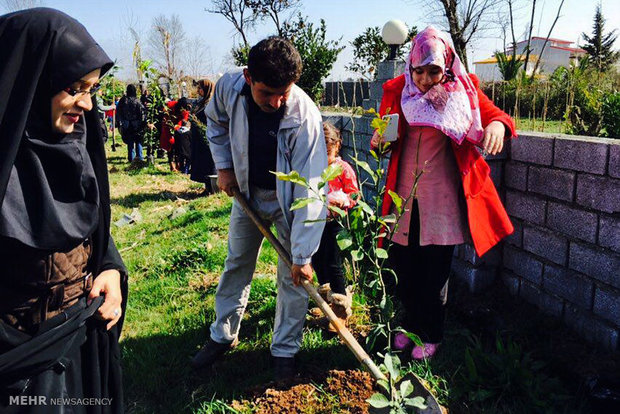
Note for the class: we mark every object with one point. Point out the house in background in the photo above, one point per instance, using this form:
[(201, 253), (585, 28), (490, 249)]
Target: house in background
[(487, 70), (557, 53)]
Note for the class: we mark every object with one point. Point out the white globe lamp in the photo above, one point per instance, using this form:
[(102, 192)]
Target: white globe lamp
[(394, 34)]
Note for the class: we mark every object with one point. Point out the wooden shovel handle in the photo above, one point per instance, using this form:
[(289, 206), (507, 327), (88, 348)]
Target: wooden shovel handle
[(342, 330)]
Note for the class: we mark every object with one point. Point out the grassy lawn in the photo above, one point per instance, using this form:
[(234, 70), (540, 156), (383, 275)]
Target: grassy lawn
[(174, 267)]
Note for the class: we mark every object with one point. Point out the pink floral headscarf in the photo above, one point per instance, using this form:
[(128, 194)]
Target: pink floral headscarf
[(450, 106)]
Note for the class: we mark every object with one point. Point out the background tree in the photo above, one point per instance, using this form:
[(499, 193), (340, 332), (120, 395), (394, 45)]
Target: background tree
[(317, 54), (599, 45), (508, 65), (166, 43), (463, 19), (239, 13), (15, 5), (369, 49), (197, 60), (274, 10)]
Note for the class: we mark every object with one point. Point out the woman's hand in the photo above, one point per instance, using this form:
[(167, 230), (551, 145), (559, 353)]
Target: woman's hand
[(108, 283), (493, 141), (376, 140)]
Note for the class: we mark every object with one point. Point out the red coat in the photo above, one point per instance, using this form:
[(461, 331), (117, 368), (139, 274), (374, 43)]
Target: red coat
[(487, 218), (169, 123)]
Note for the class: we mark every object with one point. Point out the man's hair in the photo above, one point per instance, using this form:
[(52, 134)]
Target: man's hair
[(275, 62), (131, 90)]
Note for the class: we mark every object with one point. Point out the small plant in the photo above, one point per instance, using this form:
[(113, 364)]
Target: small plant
[(401, 400), (365, 237), (153, 108)]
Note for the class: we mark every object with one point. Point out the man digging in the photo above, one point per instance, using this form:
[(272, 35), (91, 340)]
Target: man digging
[(259, 121)]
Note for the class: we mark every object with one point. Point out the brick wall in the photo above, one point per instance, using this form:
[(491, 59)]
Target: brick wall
[(563, 196)]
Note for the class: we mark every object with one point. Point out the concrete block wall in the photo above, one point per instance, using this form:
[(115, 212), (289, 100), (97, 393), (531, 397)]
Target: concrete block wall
[(562, 194)]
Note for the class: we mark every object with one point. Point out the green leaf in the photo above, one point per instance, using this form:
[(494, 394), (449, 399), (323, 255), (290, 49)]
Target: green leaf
[(364, 166), (337, 210), (293, 177), (374, 154), (366, 208), (378, 400), (357, 255), (392, 363), (406, 388), (390, 218), (344, 240), (382, 253), (314, 221), (417, 402), (383, 383), (332, 171), (414, 338), (398, 201), (301, 203)]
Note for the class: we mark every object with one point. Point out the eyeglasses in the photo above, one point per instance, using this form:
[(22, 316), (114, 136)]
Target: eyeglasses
[(75, 92)]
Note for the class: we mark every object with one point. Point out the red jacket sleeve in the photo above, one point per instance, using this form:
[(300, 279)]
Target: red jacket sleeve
[(489, 112)]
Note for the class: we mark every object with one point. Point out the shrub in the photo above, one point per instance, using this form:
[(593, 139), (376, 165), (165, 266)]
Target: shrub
[(611, 115)]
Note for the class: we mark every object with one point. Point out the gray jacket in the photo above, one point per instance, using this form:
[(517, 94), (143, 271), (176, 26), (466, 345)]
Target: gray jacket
[(301, 147)]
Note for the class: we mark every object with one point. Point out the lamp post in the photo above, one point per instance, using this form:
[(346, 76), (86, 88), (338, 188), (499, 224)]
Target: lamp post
[(394, 34)]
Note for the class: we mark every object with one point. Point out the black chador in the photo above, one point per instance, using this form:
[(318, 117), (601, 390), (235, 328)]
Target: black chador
[(54, 225)]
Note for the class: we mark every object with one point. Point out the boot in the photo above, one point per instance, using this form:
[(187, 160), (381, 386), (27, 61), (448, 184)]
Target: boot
[(341, 305)]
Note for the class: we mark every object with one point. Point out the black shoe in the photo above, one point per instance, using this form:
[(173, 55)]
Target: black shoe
[(283, 368), (209, 353)]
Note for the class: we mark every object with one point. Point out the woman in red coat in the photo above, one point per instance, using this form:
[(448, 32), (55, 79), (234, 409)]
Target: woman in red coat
[(443, 116)]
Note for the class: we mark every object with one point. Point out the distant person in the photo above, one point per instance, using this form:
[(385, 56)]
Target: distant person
[(202, 160), (259, 121), (443, 117), (183, 146), (175, 113), (102, 109), (132, 120), (63, 285)]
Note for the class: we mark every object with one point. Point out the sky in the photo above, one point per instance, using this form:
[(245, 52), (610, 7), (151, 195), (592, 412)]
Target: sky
[(107, 21)]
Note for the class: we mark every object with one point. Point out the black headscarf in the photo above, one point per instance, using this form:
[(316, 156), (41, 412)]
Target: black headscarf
[(53, 187)]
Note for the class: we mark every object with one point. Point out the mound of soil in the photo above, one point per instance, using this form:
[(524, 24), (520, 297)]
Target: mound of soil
[(339, 391)]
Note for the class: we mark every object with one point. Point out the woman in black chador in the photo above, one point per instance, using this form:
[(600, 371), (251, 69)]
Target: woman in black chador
[(63, 285)]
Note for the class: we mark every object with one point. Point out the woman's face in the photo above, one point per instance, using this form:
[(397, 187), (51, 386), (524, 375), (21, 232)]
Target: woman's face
[(425, 77), (201, 93), (67, 109)]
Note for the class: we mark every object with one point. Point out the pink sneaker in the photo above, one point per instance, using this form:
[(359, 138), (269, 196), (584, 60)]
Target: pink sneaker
[(402, 342), (425, 352)]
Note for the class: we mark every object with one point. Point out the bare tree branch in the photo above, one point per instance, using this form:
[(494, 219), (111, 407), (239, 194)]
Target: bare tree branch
[(274, 9), (238, 13), (197, 60), (529, 36), (166, 42), (557, 16)]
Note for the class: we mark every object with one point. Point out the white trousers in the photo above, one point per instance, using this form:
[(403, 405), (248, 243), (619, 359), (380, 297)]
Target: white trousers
[(231, 298)]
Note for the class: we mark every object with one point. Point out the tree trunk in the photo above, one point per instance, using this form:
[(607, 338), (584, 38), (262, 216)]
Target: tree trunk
[(529, 37)]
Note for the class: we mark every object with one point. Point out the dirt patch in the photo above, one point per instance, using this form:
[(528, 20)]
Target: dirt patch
[(339, 391)]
